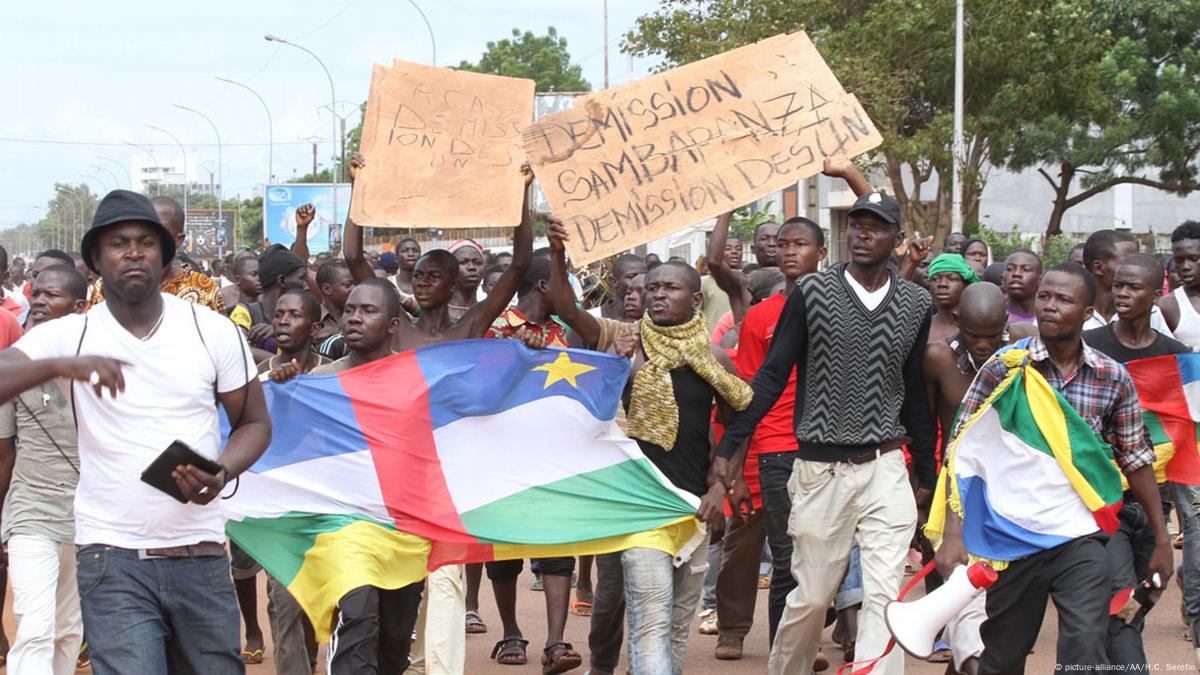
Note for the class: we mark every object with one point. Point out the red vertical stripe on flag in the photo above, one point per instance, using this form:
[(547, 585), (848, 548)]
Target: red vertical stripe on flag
[(1160, 389), (391, 402)]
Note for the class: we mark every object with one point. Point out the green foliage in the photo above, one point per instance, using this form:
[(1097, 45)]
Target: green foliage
[(1140, 123), (250, 223), (541, 58), (1053, 249), (1057, 249), (323, 176), (744, 223)]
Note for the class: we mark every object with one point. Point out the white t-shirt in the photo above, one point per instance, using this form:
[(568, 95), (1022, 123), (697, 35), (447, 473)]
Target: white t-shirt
[(168, 396), (869, 299), (1157, 322)]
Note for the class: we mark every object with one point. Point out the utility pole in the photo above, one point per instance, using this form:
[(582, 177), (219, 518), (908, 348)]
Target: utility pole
[(314, 173), (956, 218), (606, 44), (342, 167)]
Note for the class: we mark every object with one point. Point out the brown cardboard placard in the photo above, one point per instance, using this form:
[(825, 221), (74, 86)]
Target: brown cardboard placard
[(442, 148), (637, 162)]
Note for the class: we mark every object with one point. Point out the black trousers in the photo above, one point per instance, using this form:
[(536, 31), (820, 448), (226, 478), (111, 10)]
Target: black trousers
[(774, 470), (1129, 552), (374, 630), (1076, 576)]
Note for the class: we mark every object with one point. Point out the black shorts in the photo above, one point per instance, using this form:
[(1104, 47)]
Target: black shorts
[(506, 570)]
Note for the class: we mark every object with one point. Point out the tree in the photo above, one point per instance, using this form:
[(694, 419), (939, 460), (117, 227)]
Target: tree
[(1023, 57), (68, 214), (1142, 128), (543, 59)]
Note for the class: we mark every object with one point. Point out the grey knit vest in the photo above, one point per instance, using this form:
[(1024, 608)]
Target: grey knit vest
[(854, 367)]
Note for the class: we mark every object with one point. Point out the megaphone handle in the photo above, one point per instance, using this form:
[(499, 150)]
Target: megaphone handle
[(865, 666)]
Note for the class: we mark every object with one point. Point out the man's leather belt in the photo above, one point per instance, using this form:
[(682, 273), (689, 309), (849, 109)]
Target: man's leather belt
[(870, 456), (203, 549)]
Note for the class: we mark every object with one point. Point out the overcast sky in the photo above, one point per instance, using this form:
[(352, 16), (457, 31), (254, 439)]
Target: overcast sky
[(92, 75)]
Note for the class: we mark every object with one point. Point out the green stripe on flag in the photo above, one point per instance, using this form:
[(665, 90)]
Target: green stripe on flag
[(1090, 455), (616, 500), (279, 544), (1158, 435)]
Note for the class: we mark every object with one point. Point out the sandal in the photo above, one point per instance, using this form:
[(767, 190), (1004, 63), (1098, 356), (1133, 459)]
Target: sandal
[(252, 657), (475, 624), (510, 652), (941, 653), (581, 608), (559, 657)]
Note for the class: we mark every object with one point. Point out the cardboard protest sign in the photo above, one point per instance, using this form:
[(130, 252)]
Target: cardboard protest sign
[(443, 149), (637, 162)]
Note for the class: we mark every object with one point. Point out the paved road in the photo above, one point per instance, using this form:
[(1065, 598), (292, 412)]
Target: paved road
[(1165, 646)]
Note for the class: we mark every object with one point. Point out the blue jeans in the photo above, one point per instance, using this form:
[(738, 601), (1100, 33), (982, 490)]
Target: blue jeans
[(661, 600), (166, 615), (850, 593), (1185, 500), (714, 570)]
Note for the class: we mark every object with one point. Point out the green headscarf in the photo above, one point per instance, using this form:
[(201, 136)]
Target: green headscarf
[(952, 262)]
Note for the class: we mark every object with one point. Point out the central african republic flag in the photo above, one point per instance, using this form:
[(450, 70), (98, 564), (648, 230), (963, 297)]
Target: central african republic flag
[(1026, 473), (1169, 390), (461, 452)]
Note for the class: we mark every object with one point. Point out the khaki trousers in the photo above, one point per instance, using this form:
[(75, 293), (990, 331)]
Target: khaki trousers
[(441, 644), (832, 505)]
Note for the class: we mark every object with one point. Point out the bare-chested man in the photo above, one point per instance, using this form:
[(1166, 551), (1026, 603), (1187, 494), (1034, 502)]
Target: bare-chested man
[(949, 368), (435, 279)]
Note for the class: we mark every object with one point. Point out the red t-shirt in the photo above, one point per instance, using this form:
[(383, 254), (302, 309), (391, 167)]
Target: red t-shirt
[(10, 330), (776, 432)]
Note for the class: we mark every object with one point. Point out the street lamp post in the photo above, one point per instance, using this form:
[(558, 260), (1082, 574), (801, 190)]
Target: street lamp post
[(332, 104), (98, 168), (186, 185), (956, 219), (220, 175), (153, 161), (270, 128), (128, 176), (432, 40), (78, 206)]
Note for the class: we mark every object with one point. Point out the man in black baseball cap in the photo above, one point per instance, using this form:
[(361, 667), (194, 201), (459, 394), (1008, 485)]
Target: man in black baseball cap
[(123, 206), (879, 204)]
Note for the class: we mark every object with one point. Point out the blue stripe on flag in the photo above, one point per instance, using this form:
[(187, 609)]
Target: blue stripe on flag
[(988, 534), (472, 378), (294, 438), (1189, 367)]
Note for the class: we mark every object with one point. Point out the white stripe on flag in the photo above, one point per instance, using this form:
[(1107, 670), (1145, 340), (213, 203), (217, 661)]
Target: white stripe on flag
[(345, 483), (1024, 484), (495, 456)]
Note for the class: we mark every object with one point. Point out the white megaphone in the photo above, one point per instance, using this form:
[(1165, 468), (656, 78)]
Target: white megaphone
[(915, 624)]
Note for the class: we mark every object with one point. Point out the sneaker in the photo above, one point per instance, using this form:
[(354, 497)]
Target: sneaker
[(708, 622), (729, 648)]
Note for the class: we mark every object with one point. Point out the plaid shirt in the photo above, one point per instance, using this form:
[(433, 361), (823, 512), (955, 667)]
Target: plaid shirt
[(1101, 391)]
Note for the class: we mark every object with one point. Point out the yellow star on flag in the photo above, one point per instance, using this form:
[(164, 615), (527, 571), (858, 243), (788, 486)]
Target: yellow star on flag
[(563, 368)]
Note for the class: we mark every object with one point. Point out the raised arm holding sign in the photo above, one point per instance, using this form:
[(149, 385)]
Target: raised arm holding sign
[(445, 149)]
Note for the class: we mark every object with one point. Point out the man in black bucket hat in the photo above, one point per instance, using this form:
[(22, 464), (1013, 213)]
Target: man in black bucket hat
[(178, 278), (148, 370)]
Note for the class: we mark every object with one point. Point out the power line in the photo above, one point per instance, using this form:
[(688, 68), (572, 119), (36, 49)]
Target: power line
[(52, 141)]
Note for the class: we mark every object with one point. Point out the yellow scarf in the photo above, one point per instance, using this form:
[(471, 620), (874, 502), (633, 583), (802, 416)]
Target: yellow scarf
[(653, 412)]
